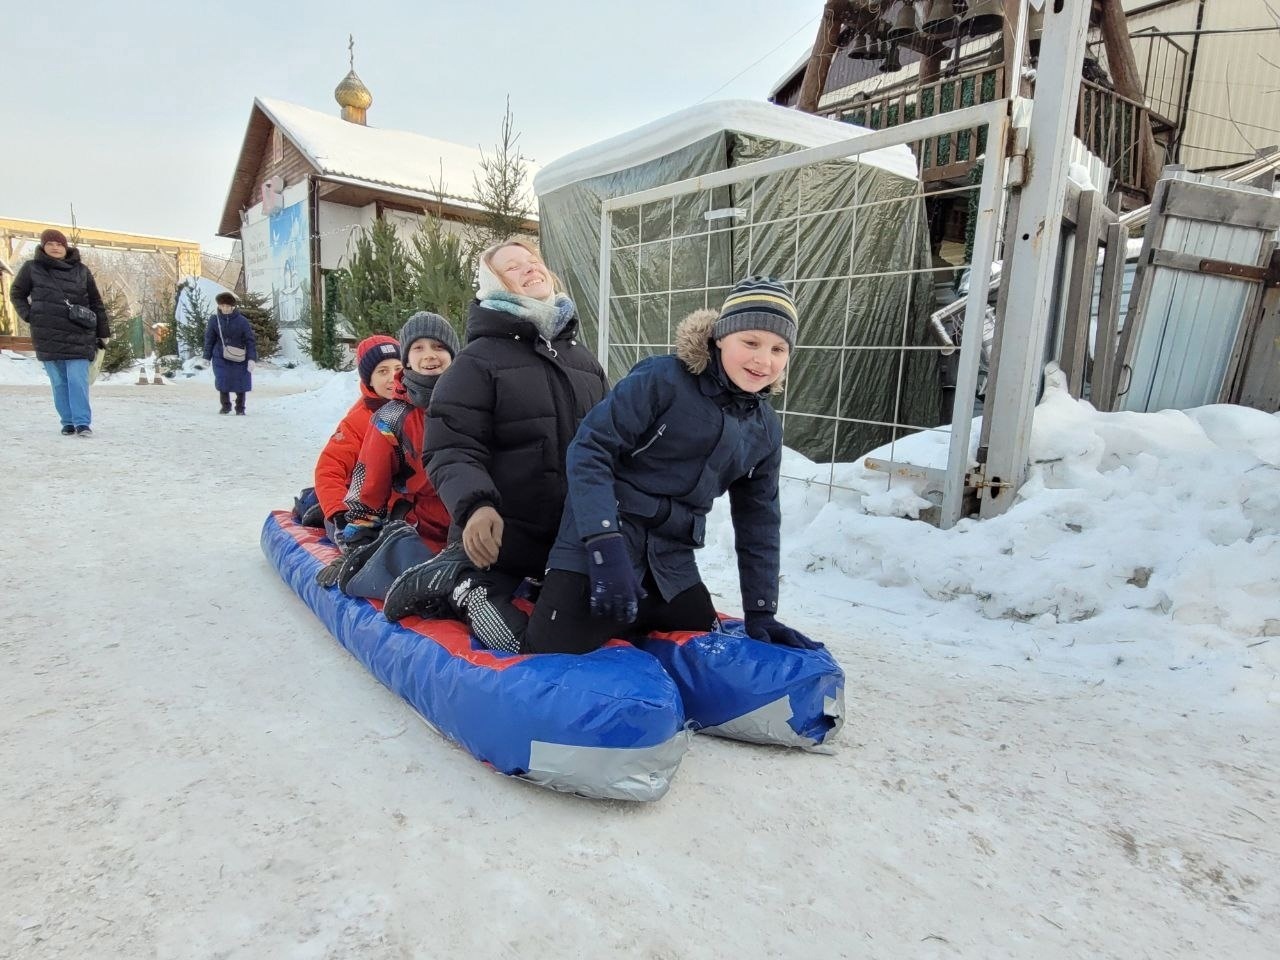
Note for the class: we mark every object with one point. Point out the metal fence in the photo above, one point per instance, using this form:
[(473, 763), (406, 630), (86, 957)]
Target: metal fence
[(854, 385)]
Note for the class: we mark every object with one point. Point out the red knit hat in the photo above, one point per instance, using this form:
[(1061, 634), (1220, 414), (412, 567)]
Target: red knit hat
[(57, 236), (372, 351)]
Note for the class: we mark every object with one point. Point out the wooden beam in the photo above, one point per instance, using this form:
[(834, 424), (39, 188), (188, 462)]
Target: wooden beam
[(1124, 74), (1075, 319), (1111, 288), (824, 48)]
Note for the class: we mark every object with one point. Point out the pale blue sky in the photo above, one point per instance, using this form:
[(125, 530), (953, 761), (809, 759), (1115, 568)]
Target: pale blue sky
[(134, 111)]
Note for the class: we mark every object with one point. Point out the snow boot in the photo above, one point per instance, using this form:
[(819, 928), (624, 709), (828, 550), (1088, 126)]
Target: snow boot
[(370, 569), (424, 590)]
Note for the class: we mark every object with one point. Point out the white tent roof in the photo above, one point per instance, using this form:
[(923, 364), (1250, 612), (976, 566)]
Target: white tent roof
[(750, 117), (395, 158)]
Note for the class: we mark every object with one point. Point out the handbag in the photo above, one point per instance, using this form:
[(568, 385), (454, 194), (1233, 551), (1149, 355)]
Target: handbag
[(82, 316), (234, 354)]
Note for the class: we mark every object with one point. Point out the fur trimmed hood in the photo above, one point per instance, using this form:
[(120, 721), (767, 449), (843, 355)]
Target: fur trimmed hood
[(693, 344)]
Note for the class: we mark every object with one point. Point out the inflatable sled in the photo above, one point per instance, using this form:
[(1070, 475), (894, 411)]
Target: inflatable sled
[(613, 723)]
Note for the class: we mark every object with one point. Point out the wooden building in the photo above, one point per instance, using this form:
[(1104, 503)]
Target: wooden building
[(307, 182)]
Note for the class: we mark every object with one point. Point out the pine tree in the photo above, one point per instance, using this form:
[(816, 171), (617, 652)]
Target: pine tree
[(325, 350), (195, 317), (441, 272), (257, 310), (119, 353), (375, 290), (160, 313), (501, 187)]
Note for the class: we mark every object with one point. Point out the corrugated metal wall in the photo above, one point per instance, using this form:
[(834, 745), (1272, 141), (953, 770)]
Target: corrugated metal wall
[(1231, 80)]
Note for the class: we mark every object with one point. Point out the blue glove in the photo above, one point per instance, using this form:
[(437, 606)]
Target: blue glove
[(615, 591), (765, 626), (354, 535)]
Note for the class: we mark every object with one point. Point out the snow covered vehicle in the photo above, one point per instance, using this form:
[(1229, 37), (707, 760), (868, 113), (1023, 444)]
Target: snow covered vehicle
[(613, 723)]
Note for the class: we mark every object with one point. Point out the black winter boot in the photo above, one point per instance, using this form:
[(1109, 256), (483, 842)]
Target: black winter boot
[(424, 590)]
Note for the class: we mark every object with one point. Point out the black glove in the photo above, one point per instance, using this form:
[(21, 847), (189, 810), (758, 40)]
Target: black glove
[(328, 575), (615, 591), (765, 626), (102, 343)]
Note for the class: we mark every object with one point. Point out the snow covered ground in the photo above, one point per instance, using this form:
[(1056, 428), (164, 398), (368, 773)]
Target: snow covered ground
[(1060, 738)]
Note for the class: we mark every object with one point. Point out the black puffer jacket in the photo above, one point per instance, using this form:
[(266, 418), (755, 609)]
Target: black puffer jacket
[(41, 291), (501, 418)]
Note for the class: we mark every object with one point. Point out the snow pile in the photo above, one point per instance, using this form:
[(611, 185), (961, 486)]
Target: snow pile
[(1160, 532), (20, 369)]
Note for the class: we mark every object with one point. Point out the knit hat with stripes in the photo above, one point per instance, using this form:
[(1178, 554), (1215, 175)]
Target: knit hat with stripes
[(758, 303)]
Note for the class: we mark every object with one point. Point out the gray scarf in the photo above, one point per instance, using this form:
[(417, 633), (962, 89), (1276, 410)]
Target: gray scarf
[(418, 386), (549, 318)]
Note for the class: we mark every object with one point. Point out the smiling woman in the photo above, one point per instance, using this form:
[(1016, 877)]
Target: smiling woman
[(498, 429)]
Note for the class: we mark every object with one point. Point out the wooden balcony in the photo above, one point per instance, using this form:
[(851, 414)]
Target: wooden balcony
[(1107, 123)]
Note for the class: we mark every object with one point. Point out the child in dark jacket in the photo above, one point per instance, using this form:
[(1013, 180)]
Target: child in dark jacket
[(644, 469), (389, 482)]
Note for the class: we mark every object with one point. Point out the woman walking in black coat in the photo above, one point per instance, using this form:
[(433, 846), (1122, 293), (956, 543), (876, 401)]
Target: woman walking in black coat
[(55, 293), (500, 423)]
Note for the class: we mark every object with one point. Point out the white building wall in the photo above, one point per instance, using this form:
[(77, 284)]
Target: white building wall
[(338, 227)]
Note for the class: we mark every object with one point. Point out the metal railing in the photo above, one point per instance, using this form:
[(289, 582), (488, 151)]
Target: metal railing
[(1108, 124)]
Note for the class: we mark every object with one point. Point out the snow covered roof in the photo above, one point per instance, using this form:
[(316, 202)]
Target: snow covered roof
[(678, 130), (395, 158)]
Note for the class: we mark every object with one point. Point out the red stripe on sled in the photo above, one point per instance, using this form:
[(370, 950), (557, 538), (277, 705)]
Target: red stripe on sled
[(450, 634)]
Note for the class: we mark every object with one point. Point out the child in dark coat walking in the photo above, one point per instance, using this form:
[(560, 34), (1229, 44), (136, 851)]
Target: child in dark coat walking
[(644, 469)]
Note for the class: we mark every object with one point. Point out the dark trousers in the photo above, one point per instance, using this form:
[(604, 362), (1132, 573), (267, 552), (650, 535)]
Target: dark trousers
[(225, 397), (562, 620)]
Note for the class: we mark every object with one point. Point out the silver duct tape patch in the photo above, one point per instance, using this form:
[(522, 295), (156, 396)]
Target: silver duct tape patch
[(771, 725), (607, 773)]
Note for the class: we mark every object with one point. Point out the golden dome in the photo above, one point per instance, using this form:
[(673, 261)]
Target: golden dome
[(352, 92)]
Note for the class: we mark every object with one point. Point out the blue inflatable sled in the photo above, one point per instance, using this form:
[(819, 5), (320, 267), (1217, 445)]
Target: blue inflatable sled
[(609, 724)]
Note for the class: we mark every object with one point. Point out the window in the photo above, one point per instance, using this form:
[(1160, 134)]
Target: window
[(277, 145)]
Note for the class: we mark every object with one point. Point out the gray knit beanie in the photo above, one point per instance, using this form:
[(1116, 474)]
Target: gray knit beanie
[(432, 325), (758, 303)]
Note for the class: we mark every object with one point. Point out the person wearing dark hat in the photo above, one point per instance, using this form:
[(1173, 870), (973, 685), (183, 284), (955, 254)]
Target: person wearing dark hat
[(394, 519), (56, 294), (230, 344), (499, 426), (378, 363), (647, 464)]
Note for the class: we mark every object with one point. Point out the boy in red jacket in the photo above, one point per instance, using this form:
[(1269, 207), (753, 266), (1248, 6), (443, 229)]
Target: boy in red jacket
[(378, 362), (390, 469)]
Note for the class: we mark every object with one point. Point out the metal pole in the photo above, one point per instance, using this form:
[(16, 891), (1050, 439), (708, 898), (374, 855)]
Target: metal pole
[(602, 316), (1029, 265), (990, 197)]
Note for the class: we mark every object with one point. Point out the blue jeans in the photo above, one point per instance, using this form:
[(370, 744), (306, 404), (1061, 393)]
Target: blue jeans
[(70, 380)]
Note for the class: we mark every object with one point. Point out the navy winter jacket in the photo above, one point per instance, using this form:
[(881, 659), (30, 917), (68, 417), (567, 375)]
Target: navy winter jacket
[(230, 376), (649, 460)]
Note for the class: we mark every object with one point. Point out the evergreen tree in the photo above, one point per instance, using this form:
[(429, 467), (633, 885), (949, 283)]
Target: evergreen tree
[(258, 311), (119, 353), (159, 314), (441, 272), (501, 187), (325, 349), (195, 317), (375, 290)]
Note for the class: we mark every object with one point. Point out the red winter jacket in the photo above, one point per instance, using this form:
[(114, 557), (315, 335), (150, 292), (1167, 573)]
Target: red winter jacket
[(390, 468), (338, 458)]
